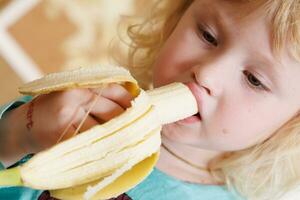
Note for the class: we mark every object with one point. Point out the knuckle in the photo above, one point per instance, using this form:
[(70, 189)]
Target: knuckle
[(119, 93), (65, 111)]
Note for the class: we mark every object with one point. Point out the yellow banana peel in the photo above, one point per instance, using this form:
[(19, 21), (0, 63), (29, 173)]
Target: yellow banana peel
[(108, 159)]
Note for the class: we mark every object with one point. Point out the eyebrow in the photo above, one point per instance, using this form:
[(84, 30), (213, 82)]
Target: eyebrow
[(219, 17)]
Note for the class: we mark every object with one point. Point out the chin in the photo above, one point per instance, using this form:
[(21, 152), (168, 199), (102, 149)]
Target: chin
[(175, 133)]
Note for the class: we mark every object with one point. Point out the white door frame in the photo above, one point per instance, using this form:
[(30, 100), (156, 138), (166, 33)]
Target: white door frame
[(10, 50)]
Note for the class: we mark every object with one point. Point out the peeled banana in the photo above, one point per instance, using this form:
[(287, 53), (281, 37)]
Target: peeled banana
[(113, 157)]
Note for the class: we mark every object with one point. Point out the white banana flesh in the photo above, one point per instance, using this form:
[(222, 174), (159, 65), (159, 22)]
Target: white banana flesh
[(93, 164)]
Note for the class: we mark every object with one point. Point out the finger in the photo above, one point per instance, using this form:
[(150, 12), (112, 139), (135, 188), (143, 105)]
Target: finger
[(87, 121), (82, 121), (104, 109), (118, 94), (67, 133)]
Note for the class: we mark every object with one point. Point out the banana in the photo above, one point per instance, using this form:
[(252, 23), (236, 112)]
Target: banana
[(113, 157)]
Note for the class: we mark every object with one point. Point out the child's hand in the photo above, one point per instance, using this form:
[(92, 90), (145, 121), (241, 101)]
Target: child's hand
[(47, 117)]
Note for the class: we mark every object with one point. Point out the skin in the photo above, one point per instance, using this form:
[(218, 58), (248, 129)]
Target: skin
[(229, 57), (216, 58)]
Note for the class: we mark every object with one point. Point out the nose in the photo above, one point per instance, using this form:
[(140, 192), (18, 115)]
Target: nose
[(213, 75)]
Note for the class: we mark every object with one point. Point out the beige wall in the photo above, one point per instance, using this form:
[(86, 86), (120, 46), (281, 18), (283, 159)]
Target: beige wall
[(9, 82), (55, 36)]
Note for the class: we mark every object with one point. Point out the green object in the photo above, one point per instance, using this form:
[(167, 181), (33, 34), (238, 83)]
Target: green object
[(10, 177), (1, 166)]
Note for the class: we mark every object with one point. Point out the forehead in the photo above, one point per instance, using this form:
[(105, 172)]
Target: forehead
[(234, 8)]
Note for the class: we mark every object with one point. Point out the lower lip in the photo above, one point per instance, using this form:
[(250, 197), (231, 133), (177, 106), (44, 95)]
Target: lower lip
[(190, 120)]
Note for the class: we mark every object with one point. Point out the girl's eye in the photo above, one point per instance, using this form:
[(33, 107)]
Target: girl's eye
[(254, 82), (209, 38)]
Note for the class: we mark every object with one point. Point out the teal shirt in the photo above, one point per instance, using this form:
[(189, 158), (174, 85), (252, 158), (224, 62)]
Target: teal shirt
[(157, 185), (11, 105)]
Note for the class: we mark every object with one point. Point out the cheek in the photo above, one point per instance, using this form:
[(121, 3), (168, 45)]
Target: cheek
[(177, 56), (241, 128), (166, 65), (162, 70)]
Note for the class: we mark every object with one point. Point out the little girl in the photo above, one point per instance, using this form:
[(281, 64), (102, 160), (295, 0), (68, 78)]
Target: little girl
[(242, 59)]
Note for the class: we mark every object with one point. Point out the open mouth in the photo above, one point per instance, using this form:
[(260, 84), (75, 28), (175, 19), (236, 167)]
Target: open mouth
[(198, 115), (196, 90), (196, 118)]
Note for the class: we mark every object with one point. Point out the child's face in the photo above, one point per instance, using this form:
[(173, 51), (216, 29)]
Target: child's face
[(230, 55)]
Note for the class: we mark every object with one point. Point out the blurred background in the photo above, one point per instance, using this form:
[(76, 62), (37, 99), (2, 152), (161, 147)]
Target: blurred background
[(38, 37)]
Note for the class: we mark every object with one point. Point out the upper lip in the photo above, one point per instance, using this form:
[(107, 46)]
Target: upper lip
[(196, 90)]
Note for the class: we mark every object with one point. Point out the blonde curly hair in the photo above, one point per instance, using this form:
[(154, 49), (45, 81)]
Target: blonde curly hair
[(269, 169)]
